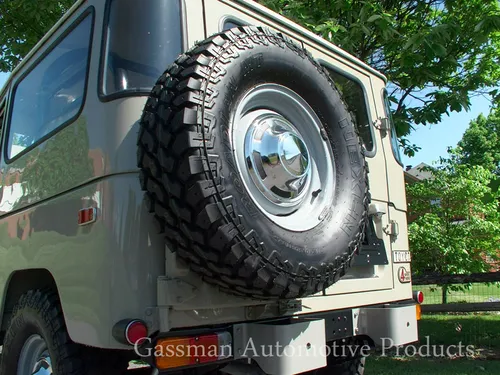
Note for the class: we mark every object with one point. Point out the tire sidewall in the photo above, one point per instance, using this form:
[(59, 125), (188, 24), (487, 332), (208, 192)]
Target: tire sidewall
[(285, 66), (25, 323)]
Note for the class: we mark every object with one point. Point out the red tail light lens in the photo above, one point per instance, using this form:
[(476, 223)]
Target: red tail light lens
[(86, 216), (418, 296), (136, 332)]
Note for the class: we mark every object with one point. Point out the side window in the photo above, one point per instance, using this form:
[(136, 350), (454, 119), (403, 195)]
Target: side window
[(352, 92), (394, 138), (140, 42), (52, 93), (354, 95), (2, 115)]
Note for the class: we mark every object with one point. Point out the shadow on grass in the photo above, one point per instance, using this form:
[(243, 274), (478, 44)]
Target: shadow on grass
[(478, 331), (482, 331)]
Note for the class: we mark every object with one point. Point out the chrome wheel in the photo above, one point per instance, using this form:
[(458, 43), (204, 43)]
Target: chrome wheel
[(286, 164), (34, 358)]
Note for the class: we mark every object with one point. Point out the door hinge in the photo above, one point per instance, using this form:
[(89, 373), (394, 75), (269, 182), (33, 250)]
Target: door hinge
[(392, 229)]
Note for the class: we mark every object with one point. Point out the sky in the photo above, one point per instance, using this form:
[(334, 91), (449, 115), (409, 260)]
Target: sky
[(3, 78), (433, 139)]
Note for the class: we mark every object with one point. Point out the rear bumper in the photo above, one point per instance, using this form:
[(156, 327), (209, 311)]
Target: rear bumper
[(293, 345), (388, 325)]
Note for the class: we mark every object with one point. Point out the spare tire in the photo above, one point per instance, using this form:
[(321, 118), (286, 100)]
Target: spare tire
[(252, 166)]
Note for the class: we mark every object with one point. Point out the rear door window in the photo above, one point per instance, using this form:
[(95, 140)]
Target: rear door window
[(52, 93), (394, 138), (141, 41), (352, 92), (354, 96)]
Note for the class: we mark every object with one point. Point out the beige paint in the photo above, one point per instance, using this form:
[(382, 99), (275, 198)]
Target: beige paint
[(116, 268)]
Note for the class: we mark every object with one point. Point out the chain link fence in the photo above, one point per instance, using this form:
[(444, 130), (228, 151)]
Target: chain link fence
[(462, 309)]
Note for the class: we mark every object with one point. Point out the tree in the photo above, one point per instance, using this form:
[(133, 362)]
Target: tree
[(455, 227), (480, 144), (22, 24), (435, 53)]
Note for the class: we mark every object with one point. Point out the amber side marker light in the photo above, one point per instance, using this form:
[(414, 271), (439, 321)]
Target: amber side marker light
[(174, 352), (419, 312), (418, 296)]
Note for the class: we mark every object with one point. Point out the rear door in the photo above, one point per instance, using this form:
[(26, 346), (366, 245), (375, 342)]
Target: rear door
[(373, 268)]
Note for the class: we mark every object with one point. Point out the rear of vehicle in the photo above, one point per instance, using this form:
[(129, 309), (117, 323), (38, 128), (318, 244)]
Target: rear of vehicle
[(202, 176)]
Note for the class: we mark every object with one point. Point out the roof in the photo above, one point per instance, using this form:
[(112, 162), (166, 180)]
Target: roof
[(418, 174), (248, 3)]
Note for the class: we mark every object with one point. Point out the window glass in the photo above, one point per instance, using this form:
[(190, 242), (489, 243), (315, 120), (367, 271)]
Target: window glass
[(394, 138), (2, 116), (141, 42), (354, 96), (52, 93)]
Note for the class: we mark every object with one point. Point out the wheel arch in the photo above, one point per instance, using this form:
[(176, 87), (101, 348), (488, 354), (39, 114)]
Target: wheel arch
[(19, 283)]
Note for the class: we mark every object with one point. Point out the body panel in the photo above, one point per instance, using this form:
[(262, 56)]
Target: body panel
[(219, 12), (119, 266), (104, 272)]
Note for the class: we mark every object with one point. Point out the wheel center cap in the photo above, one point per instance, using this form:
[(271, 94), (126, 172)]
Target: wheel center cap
[(277, 159), (293, 154)]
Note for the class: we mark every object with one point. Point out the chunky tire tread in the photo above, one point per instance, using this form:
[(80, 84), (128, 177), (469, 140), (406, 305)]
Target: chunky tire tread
[(355, 366), (182, 175), (68, 358), (45, 304)]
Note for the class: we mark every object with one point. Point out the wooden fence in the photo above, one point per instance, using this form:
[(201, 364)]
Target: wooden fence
[(444, 281)]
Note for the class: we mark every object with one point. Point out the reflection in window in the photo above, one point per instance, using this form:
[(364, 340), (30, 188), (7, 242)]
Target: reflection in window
[(353, 94), (394, 138), (53, 92), (141, 42)]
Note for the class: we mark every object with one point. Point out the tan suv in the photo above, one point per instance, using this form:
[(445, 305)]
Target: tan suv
[(190, 182)]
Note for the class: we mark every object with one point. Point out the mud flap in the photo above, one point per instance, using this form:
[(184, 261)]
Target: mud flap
[(282, 349), (388, 326)]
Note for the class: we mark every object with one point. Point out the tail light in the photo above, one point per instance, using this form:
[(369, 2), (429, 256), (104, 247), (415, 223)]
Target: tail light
[(174, 352), (418, 296), (136, 332), (130, 332)]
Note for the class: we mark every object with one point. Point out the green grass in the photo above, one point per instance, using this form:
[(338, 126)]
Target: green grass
[(482, 331), (392, 366), (477, 293)]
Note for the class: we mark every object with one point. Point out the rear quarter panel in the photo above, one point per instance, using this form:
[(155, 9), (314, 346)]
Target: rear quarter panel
[(106, 271)]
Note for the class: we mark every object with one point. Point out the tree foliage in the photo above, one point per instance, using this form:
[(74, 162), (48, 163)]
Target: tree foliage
[(23, 23), (455, 227), (435, 53), (45, 173), (480, 144)]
